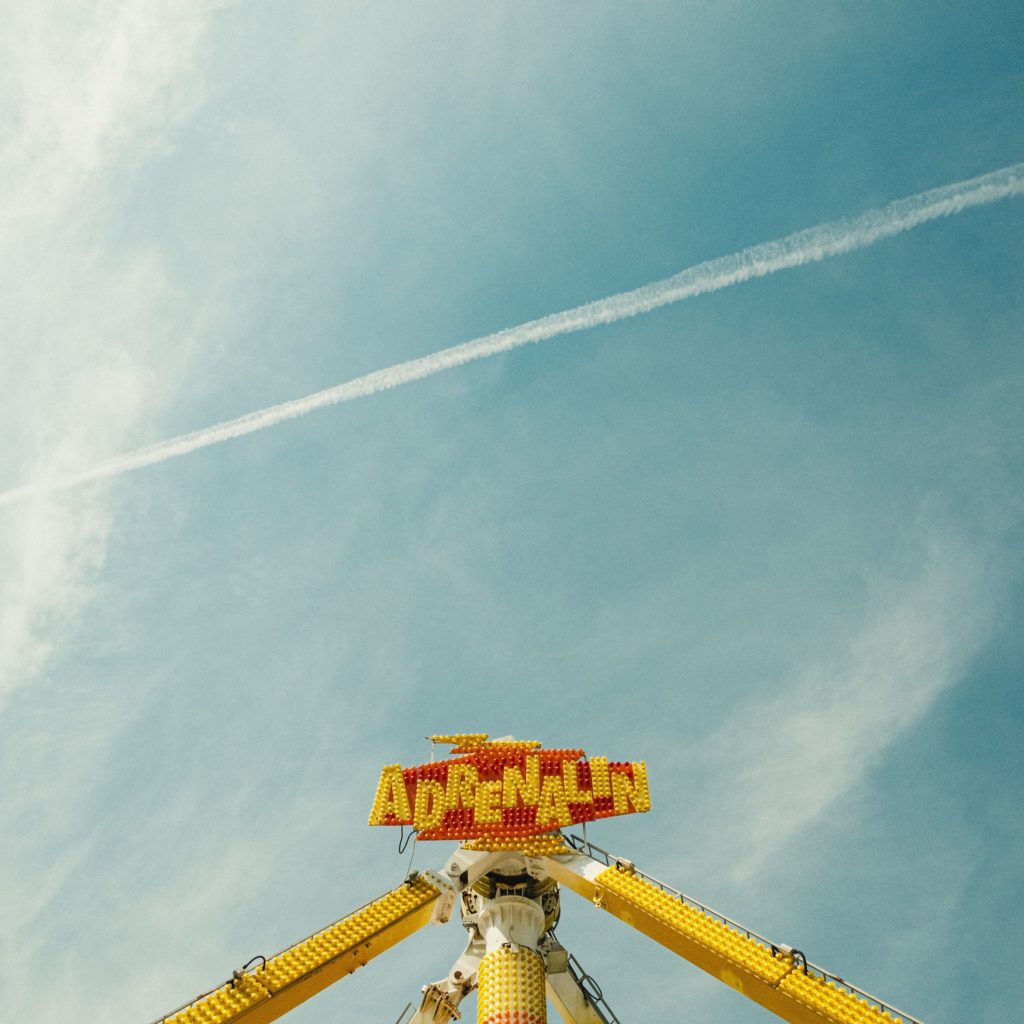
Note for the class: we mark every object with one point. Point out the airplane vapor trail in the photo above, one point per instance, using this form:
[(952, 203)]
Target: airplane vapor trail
[(808, 246)]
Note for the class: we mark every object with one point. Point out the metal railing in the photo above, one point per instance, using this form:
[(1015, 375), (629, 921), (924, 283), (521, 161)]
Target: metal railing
[(582, 845), (592, 991)]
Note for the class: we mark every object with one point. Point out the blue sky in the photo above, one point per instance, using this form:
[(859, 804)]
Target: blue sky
[(768, 539)]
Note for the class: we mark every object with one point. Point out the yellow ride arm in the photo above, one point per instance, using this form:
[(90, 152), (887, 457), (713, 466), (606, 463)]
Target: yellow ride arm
[(263, 994), (777, 977)]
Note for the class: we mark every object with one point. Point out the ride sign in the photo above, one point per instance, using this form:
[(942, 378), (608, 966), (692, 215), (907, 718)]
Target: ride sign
[(503, 792)]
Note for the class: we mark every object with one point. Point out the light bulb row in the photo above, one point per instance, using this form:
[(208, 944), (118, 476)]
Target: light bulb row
[(227, 1002), (511, 987), (694, 925), (530, 846), (836, 1003)]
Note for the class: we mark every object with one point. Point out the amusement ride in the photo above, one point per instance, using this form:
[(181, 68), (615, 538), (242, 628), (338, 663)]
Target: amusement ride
[(507, 803)]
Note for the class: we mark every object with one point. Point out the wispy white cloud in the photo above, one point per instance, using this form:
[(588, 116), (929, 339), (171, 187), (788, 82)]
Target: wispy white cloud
[(808, 246), (779, 763), (91, 92), (165, 875)]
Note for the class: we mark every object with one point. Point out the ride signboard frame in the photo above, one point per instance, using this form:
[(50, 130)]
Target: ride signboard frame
[(507, 790)]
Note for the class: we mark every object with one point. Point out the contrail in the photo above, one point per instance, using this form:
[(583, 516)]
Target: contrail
[(808, 246)]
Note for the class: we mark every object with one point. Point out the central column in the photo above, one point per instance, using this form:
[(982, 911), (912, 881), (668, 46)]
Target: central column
[(510, 978)]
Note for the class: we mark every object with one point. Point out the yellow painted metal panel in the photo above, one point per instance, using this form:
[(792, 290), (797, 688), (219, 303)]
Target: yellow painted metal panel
[(308, 967), (771, 979)]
